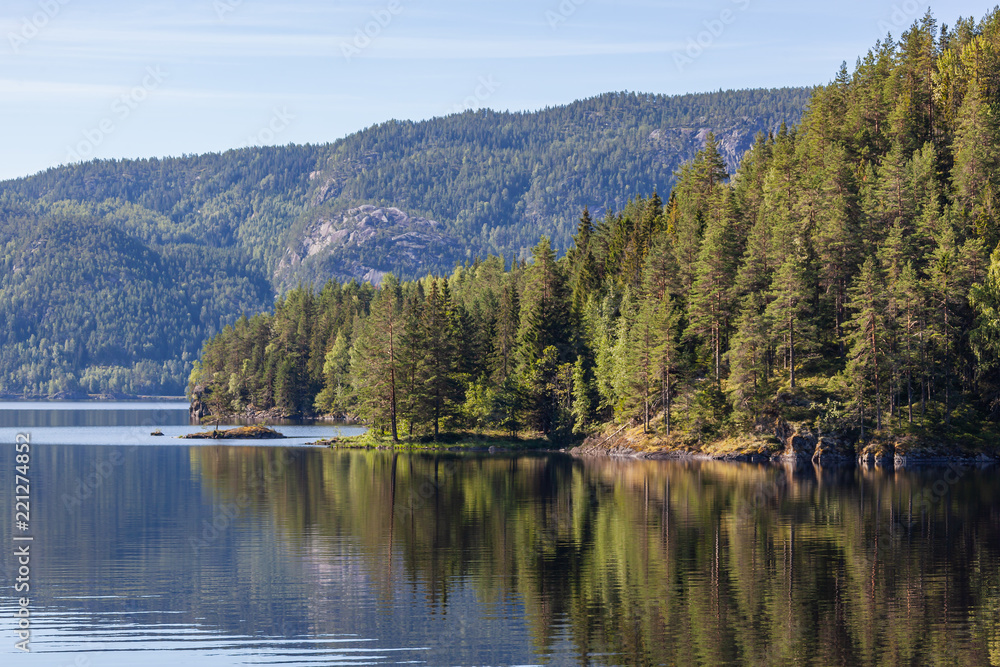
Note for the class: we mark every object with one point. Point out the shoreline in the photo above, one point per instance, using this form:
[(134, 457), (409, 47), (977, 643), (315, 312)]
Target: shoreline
[(795, 445), (501, 446), (777, 443), (96, 398)]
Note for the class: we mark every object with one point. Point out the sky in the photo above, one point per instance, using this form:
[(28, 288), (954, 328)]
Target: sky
[(85, 79)]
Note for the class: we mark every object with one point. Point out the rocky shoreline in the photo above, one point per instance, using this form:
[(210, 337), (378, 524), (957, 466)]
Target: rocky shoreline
[(795, 446), (239, 433)]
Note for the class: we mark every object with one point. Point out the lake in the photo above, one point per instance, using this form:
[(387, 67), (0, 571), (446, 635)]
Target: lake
[(156, 551)]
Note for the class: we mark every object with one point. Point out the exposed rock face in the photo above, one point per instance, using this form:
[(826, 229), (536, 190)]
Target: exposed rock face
[(833, 450), (344, 245), (732, 142), (198, 408), (878, 454), (799, 445)]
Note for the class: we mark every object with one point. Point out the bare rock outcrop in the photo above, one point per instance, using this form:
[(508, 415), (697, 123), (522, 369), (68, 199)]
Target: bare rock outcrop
[(343, 245)]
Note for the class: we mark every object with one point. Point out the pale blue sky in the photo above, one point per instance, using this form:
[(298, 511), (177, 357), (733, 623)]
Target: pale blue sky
[(108, 78)]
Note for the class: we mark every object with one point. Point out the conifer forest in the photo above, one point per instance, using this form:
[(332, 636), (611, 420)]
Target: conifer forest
[(846, 275)]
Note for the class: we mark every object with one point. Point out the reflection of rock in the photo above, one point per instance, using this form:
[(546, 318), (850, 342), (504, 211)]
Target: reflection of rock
[(878, 454)]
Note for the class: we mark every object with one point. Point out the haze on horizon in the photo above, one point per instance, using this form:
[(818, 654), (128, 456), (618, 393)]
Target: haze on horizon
[(111, 79)]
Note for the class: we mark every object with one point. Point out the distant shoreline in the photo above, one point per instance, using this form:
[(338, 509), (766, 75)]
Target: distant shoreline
[(96, 398)]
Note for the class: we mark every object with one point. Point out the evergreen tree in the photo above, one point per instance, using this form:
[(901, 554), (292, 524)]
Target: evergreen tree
[(442, 387), (374, 361), (866, 337), (711, 297), (789, 310), (335, 395), (544, 314), (749, 356), (985, 337)]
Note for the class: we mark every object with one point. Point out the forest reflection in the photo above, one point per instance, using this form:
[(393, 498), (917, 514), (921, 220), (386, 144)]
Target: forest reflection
[(661, 562)]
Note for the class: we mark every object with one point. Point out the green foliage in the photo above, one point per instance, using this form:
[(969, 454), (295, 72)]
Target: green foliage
[(839, 277), (112, 272)]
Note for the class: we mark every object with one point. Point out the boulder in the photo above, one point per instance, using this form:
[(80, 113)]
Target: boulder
[(800, 444), (833, 450)]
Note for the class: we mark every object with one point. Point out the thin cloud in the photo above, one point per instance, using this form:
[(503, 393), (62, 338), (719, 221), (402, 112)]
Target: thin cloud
[(187, 45)]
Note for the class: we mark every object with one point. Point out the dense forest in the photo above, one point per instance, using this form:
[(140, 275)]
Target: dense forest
[(115, 271), (497, 180), (842, 276)]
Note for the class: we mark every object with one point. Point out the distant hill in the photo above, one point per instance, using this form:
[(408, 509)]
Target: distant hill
[(114, 271)]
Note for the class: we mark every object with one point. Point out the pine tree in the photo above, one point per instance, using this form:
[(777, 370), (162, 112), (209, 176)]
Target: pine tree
[(442, 387), (666, 323), (639, 371), (866, 338), (549, 389), (335, 395), (977, 164), (412, 348), (374, 362), (985, 337), (584, 399), (545, 314), (790, 310), (505, 341), (711, 299), (749, 356)]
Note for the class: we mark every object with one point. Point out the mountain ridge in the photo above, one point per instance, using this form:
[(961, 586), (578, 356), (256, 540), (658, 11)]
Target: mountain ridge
[(494, 182)]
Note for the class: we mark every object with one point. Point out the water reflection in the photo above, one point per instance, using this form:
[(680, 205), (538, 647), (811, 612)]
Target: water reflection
[(35, 414), (693, 563), (267, 554)]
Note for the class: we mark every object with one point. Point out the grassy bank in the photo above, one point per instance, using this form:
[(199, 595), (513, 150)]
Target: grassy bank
[(452, 441)]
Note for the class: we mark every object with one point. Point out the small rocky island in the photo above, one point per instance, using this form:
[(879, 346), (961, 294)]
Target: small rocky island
[(255, 432)]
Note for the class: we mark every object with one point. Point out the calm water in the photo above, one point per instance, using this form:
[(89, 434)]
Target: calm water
[(152, 551)]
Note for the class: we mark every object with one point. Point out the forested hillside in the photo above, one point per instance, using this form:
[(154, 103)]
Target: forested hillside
[(841, 279), (116, 271)]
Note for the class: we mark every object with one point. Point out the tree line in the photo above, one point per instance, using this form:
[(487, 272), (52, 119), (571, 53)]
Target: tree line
[(842, 275)]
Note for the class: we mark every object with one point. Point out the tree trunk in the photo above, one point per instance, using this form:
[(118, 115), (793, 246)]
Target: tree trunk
[(669, 400), (791, 351), (392, 384), (878, 390)]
